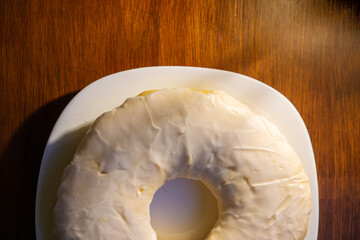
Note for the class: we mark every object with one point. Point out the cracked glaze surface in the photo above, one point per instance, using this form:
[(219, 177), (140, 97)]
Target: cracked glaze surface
[(131, 151)]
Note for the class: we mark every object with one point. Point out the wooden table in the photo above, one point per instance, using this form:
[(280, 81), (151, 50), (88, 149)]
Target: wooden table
[(308, 50)]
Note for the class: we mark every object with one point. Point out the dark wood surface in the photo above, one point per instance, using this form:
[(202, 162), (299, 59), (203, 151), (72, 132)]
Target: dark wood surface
[(308, 50)]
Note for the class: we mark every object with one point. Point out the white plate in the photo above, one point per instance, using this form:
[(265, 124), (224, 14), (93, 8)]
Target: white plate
[(112, 90)]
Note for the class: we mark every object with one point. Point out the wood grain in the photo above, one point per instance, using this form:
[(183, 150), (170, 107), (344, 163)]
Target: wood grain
[(308, 50)]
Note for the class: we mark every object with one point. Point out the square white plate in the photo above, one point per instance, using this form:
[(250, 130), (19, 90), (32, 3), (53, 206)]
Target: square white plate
[(111, 91)]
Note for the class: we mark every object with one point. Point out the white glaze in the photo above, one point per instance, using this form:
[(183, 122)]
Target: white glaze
[(133, 150)]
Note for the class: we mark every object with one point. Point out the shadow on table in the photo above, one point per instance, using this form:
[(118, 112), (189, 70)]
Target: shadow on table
[(347, 5), (20, 164)]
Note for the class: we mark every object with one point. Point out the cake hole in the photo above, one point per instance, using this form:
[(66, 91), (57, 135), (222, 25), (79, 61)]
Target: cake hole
[(183, 209)]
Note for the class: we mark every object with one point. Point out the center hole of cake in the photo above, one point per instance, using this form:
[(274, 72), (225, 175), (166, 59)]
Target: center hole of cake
[(183, 209)]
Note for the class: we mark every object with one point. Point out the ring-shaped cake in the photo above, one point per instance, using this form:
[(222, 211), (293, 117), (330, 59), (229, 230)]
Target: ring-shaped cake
[(131, 151)]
